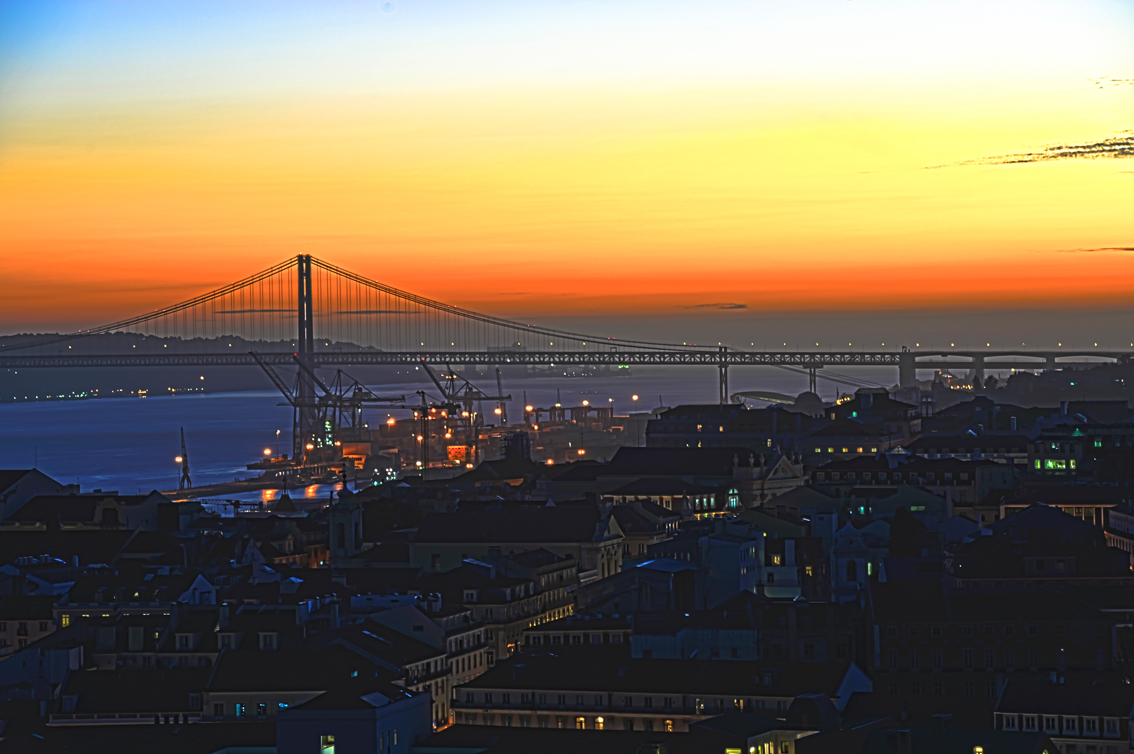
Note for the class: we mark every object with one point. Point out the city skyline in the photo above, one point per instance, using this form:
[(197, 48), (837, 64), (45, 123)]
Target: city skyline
[(570, 161)]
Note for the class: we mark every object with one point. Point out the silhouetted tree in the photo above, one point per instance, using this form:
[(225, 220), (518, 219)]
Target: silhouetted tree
[(905, 535)]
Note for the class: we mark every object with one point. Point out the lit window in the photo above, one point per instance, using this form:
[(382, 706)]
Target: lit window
[(327, 744), (598, 723)]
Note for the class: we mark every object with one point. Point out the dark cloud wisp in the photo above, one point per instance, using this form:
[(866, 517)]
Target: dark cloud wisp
[(1101, 248), (723, 306), (1118, 146)]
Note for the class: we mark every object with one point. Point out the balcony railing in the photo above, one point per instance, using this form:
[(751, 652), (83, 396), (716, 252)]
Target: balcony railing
[(587, 708), (119, 718)]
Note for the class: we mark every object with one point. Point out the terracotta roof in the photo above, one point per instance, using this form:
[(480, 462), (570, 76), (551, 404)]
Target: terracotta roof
[(574, 523), (611, 669), (1105, 698)]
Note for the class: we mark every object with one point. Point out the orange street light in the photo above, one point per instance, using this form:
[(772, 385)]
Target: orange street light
[(267, 451), (178, 459)]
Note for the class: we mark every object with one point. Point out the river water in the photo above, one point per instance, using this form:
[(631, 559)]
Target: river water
[(129, 444)]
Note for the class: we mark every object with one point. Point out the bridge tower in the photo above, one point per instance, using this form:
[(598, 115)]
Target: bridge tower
[(303, 428), (722, 365)]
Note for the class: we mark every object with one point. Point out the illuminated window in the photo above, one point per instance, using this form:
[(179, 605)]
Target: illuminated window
[(818, 450), (327, 744), (777, 560), (580, 723), (598, 723), (669, 726), (66, 621), (830, 450)]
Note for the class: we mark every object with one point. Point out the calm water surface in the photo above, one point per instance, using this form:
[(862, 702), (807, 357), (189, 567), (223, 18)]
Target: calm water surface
[(129, 444)]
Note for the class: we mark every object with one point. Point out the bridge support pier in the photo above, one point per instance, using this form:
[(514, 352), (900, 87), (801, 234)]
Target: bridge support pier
[(1049, 362), (723, 367), (907, 369), (978, 370)]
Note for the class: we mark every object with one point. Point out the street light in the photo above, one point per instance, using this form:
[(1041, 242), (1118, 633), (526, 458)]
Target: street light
[(267, 451), (277, 443), (633, 397)]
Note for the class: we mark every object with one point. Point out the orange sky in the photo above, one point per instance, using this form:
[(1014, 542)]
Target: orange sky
[(839, 158)]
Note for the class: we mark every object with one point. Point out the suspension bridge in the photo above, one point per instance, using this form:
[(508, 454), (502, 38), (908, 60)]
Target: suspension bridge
[(307, 309)]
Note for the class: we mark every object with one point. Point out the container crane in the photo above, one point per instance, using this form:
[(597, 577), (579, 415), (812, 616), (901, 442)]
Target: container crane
[(184, 483)]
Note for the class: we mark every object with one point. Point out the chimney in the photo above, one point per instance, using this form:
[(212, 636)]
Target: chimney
[(1012, 423)]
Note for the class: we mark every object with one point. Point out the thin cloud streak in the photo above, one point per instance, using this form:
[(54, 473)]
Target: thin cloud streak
[(1092, 251), (1119, 146), (724, 306)]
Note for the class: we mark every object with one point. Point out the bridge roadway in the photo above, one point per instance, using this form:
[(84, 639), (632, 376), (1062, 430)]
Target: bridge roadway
[(907, 361)]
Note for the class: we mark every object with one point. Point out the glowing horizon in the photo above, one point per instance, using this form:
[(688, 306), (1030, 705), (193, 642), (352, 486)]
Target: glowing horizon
[(571, 159)]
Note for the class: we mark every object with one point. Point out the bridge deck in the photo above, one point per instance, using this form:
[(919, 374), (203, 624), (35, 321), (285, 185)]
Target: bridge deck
[(805, 359)]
